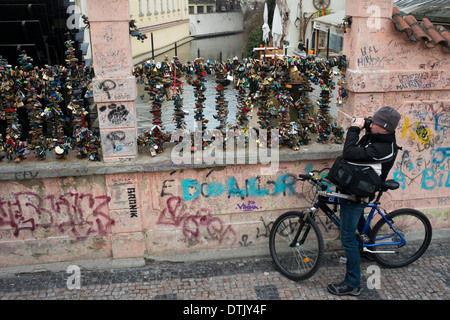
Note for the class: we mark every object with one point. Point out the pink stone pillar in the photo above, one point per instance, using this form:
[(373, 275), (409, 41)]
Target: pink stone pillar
[(114, 86), (365, 45)]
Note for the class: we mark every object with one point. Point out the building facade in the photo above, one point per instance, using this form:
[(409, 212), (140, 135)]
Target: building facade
[(202, 6), (209, 18), (167, 20), (298, 18)]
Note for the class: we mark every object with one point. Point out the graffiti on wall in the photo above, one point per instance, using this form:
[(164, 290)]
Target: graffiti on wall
[(196, 222), (425, 158), (183, 208), (132, 202), (77, 214), (252, 187)]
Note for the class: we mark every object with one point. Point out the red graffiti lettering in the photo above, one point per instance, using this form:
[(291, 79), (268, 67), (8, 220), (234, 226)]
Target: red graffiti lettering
[(81, 214), (194, 222)]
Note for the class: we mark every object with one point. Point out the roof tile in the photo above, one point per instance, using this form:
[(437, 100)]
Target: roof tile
[(418, 32), (426, 31)]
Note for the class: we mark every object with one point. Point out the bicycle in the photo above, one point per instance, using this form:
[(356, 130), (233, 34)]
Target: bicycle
[(297, 245)]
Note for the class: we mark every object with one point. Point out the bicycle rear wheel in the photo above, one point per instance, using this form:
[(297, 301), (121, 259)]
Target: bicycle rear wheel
[(296, 245), (413, 226)]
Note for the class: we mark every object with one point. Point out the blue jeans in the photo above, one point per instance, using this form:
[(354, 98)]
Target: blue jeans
[(352, 218)]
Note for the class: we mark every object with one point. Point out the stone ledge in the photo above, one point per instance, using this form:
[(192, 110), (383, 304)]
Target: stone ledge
[(31, 168)]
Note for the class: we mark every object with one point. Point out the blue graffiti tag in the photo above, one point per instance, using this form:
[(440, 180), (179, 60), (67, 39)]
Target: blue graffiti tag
[(285, 184), (439, 155), (429, 181)]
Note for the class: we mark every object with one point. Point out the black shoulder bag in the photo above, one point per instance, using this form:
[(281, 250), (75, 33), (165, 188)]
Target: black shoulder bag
[(358, 180)]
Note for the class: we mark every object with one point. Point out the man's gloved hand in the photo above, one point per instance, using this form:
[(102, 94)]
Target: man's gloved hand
[(358, 122)]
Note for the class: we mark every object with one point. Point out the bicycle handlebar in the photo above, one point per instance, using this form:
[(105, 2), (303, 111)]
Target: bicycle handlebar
[(310, 177), (304, 177), (322, 186)]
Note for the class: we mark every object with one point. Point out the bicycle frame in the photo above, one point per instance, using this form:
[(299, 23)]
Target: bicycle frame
[(323, 201), (297, 245)]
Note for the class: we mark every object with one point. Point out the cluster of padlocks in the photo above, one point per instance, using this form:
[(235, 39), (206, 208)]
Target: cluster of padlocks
[(46, 110)]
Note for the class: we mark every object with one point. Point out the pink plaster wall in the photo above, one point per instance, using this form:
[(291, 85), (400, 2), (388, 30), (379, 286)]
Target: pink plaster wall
[(139, 214), (135, 215), (113, 86), (221, 208), (60, 219)]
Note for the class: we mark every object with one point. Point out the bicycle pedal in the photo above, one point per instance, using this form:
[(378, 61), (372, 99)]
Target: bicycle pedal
[(364, 238)]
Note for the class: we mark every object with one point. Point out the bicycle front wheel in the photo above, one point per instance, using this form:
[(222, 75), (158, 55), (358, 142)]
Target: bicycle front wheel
[(413, 226), (296, 245)]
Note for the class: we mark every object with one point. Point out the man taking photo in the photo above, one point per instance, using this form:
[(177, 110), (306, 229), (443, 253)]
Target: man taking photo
[(378, 149)]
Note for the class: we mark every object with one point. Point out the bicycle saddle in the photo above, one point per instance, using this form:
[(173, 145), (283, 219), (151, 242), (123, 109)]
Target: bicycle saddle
[(390, 185)]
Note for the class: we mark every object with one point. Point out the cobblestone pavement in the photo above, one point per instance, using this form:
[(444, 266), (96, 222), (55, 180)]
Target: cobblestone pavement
[(242, 279)]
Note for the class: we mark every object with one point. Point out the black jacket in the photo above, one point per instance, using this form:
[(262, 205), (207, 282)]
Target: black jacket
[(376, 149)]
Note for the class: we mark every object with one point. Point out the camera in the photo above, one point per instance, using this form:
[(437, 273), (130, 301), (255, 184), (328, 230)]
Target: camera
[(367, 123)]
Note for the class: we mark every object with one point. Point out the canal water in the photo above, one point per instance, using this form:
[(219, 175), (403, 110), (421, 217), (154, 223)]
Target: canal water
[(209, 48)]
